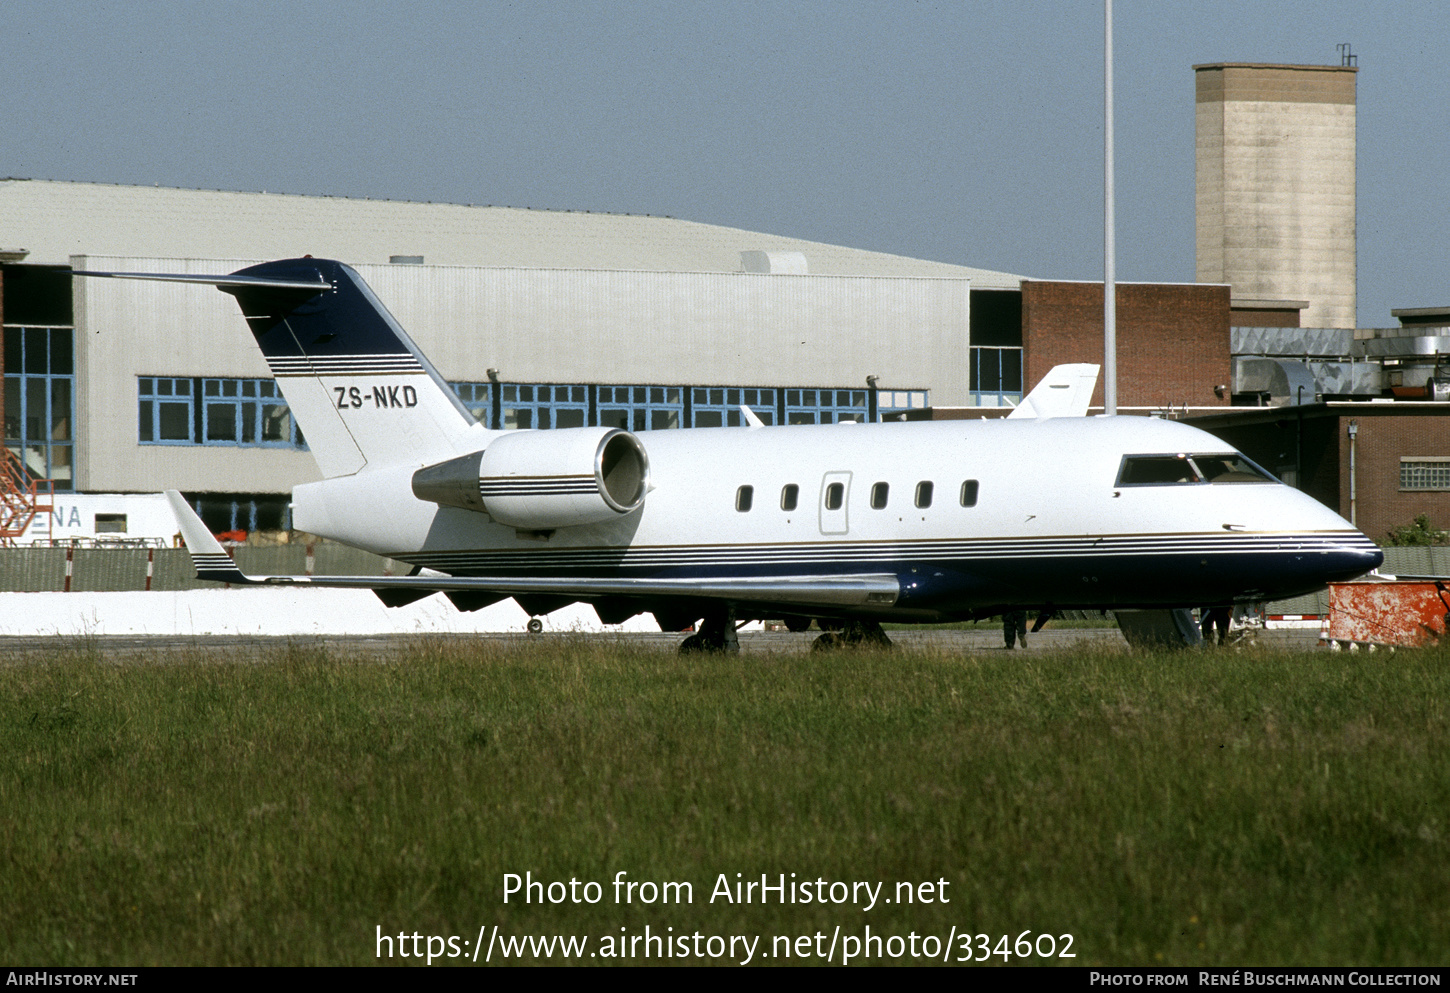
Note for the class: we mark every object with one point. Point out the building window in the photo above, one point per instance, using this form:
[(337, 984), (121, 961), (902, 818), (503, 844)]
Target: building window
[(247, 413), (39, 396), (1425, 473), (658, 408), (641, 408), (110, 524), (719, 406), (892, 404), (478, 398), (825, 406), (995, 376), (165, 410), (543, 405), (222, 512)]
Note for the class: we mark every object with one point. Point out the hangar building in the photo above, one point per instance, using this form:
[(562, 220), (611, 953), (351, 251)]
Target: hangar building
[(538, 319)]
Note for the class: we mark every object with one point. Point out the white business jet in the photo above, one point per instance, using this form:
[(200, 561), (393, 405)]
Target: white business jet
[(850, 524)]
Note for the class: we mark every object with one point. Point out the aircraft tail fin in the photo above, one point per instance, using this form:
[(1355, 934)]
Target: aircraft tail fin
[(1065, 391), (362, 392)]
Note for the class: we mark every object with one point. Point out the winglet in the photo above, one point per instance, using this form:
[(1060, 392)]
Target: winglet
[(1065, 391), (207, 555)]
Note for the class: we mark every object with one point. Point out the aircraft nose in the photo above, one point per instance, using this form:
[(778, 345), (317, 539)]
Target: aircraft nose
[(1355, 557), (1371, 559)]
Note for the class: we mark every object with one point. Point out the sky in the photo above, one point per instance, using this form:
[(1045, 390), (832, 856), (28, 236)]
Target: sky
[(965, 132)]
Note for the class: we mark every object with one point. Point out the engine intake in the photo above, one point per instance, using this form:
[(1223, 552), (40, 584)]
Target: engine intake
[(539, 480)]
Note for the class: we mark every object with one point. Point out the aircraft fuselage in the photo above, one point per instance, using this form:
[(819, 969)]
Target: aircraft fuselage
[(1020, 513)]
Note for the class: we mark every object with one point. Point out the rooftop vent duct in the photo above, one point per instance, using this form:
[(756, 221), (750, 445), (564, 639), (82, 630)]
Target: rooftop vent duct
[(779, 263)]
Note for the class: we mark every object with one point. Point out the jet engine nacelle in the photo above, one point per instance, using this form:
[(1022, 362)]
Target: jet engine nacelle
[(541, 480)]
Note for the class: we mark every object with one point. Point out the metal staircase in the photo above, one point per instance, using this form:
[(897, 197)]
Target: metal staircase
[(22, 499)]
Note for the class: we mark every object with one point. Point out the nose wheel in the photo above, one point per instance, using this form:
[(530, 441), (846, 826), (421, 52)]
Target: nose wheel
[(535, 625)]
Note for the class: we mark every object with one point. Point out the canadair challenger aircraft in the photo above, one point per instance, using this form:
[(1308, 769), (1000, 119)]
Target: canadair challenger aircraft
[(849, 524)]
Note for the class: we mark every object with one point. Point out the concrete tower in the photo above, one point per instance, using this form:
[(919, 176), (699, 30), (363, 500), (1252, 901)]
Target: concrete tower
[(1275, 185)]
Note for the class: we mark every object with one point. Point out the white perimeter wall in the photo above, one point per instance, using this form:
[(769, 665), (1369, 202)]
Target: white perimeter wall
[(274, 612)]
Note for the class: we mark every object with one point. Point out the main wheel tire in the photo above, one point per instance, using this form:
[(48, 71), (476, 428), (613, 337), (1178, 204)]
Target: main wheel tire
[(535, 625)]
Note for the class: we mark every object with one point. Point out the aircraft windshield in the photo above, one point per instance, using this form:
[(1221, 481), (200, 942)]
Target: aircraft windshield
[(1231, 468), (1181, 468)]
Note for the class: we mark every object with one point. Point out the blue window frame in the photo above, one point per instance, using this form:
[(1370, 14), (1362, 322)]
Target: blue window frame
[(719, 406), (995, 376), (890, 403), (825, 406), (641, 408), (243, 512), (478, 398), (543, 405), (39, 401), (246, 413), (657, 408), (165, 410)]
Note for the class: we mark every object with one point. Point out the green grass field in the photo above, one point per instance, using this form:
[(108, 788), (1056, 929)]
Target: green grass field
[(1181, 808)]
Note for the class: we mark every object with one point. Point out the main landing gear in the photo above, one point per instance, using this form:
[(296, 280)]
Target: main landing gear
[(852, 634), (716, 634)]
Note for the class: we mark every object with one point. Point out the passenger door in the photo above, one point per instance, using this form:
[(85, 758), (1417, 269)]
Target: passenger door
[(835, 496)]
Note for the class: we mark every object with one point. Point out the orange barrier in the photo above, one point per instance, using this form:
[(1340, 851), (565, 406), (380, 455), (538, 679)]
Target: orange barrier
[(1403, 613)]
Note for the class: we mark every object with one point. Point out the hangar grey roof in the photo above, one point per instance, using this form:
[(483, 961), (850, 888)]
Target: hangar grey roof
[(55, 220)]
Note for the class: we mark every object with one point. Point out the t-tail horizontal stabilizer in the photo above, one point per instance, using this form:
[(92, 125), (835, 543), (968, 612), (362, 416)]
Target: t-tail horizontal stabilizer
[(1065, 391)]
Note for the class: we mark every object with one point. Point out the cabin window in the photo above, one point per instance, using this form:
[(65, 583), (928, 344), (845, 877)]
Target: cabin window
[(789, 495), (879, 494), (923, 494), (744, 497), (969, 493), (835, 496)]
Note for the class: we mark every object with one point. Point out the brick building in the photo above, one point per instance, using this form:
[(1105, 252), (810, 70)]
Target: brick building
[(1396, 467), (1173, 340)]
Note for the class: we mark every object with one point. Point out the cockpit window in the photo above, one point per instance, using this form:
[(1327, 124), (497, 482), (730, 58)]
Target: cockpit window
[(1232, 468), (1182, 468), (1157, 470)]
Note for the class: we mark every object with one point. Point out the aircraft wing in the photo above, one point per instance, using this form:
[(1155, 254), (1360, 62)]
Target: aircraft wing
[(1065, 391), (854, 590)]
